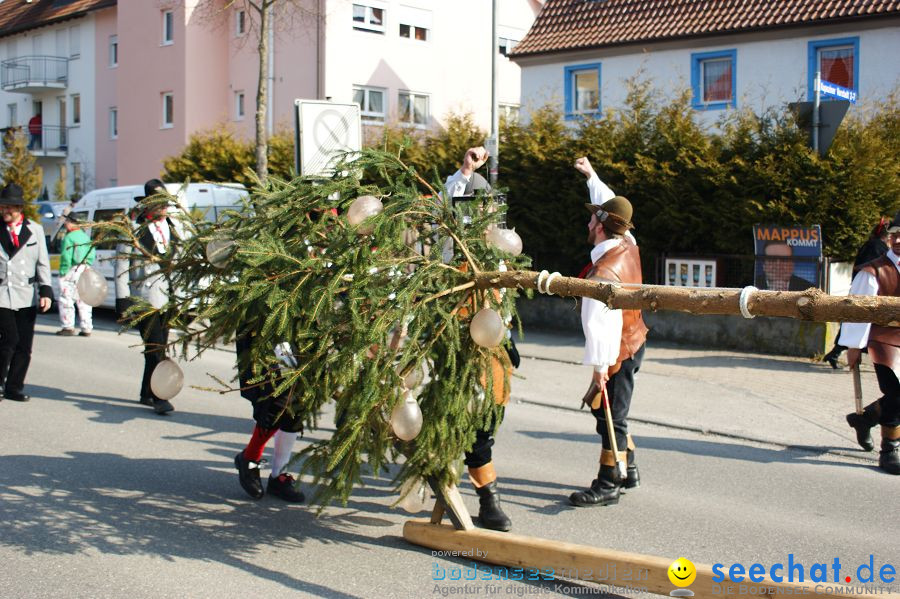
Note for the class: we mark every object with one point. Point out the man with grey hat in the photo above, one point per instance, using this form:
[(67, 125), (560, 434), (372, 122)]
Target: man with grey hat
[(24, 285), (881, 276), (614, 342), (138, 277)]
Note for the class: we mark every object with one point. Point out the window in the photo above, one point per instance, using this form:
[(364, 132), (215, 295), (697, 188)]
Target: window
[(106, 239), (415, 23), (510, 112), (413, 32), (168, 27), (838, 61), (76, 109), (113, 50), (74, 42), (240, 23), (505, 45), (713, 80), (239, 105), (413, 109), (12, 112), (368, 18), (114, 123), (62, 42), (77, 179), (168, 108), (371, 103), (582, 90)]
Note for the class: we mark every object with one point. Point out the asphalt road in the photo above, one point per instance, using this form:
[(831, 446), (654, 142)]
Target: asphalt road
[(101, 498)]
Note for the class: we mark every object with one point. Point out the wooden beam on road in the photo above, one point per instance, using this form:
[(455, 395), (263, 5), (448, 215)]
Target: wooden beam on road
[(607, 566)]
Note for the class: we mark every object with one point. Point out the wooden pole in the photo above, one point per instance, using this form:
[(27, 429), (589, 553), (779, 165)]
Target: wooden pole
[(555, 560), (812, 304)]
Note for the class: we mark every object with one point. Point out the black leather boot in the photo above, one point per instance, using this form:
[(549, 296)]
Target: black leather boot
[(832, 356), (604, 490), (863, 424), (889, 459), (633, 478), (489, 511)]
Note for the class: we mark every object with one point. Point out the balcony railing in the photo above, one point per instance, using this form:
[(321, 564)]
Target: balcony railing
[(52, 141), (34, 73)]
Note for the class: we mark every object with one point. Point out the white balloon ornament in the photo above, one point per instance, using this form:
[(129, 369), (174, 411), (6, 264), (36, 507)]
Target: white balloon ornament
[(487, 328), (219, 252), (414, 377), (416, 496), (362, 208), (92, 287), (505, 240), (167, 379), (406, 418)]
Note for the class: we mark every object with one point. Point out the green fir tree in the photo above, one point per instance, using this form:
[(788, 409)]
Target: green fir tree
[(361, 311), (20, 167)]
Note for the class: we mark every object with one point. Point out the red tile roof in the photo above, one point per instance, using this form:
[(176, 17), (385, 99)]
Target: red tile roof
[(578, 24), (17, 16)]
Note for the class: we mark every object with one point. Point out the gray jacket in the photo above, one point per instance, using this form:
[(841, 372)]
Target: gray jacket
[(24, 271), (138, 277)]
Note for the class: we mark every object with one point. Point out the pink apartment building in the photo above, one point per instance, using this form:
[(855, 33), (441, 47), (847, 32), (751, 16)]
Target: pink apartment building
[(121, 85)]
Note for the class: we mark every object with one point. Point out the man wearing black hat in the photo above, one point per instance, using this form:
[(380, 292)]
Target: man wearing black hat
[(138, 277), (24, 282), (880, 277), (614, 346)]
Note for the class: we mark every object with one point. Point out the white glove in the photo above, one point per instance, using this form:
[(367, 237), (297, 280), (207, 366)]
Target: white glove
[(285, 354)]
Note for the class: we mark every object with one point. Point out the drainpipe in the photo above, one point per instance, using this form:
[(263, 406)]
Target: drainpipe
[(270, 59)]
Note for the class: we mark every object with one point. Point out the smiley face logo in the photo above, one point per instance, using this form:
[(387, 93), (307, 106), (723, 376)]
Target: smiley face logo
[(682, 572)]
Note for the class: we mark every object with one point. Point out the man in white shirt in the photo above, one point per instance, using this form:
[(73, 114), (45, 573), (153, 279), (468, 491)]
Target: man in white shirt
[(880, 277), (614, 339), (479, 459)]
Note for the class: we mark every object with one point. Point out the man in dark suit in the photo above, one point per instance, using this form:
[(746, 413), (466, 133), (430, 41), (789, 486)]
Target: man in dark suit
[(24, 285), (479, 459), (140, 278)]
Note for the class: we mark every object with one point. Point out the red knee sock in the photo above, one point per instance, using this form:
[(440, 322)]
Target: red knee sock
[(257, 444)]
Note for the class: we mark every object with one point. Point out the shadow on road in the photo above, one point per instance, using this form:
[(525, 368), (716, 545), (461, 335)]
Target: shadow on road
[(116, 410), (733, 451), (120, 506)]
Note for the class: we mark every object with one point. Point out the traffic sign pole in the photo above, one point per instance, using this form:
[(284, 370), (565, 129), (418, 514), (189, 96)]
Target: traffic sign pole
[(815, 114), (495, 112)]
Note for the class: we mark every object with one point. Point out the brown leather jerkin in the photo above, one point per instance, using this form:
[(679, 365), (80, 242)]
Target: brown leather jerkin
[(622, 264), (884, 342)]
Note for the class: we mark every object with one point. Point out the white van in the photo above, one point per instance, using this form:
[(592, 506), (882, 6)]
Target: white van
[(206, 200)]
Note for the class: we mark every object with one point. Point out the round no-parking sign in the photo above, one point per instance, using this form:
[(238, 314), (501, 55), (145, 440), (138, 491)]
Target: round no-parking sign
[(324, 130)]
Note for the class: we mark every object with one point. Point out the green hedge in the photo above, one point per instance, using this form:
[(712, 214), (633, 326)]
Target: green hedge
[(694, 191)]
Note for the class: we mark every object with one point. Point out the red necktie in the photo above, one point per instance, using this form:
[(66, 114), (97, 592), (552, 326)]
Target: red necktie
[(162, 237), (12, 233)]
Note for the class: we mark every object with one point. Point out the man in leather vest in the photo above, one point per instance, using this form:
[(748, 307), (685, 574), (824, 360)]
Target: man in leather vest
[(880, 277), (614, 346)]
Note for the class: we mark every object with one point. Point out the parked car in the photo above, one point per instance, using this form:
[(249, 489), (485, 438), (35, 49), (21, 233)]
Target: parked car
[(206, 200), (49, 217)]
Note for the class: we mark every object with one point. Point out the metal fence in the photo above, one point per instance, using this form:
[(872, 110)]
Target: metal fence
[(33, 70)]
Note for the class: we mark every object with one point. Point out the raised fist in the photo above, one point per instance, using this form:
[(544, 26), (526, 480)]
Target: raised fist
[(475, 158), (583, 166)]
